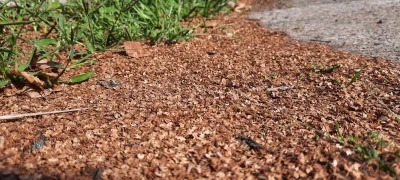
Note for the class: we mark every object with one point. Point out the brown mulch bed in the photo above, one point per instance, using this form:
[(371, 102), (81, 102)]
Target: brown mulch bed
[(205, 109)]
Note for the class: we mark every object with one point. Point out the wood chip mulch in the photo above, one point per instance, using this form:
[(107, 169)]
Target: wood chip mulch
[(239, 102)]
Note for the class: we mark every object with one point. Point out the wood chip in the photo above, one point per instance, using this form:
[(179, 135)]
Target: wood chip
[(135, 49)]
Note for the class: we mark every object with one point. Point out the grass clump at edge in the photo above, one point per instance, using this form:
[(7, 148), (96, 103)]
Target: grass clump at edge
[(95, 25)]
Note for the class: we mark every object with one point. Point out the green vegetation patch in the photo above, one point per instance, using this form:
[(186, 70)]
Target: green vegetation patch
[(373, 149), (51, 28)]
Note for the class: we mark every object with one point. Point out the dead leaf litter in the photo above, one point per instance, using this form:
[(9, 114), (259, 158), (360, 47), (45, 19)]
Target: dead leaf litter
[(182, 113)]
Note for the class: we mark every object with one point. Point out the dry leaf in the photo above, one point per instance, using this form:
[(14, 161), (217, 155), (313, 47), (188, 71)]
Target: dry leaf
[(45, 64), (14, 91), (211, 23), (237, 7), (42, 64), (51, 74), (35, 94), (57, 89), (354, 170), (135, 49), (231, 4), (240, 6), (30, 78), (34, 60)]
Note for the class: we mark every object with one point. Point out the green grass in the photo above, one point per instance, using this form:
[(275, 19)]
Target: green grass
[(325, 69), (95, 25), (373, 149)]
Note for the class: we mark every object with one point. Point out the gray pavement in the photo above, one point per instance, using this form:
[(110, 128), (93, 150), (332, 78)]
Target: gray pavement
[(368, 27)]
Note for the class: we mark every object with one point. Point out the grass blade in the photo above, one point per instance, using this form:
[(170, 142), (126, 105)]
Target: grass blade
[(15, 23), (3, 83), (354, 79), (80, 78)]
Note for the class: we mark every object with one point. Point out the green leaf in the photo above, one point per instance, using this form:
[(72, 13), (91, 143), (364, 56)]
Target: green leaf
[(89, 46), (372, 153), (80, 61), (3, 83), (82, 64), (55, 5), (82, 77), (5, 50), (387, 168), (354, 79), (61, 21), (331, 68), (45, 42), (22, 67), (337, 127)]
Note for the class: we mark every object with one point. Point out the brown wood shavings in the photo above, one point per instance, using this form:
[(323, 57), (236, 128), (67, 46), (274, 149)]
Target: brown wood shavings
[(180, 110)]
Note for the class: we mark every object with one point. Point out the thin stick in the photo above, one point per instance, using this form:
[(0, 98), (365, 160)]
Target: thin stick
[(220, 35), (20, 116), (278, 88)]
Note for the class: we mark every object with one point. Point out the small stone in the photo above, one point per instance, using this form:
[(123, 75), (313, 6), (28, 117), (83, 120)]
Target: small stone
[(140, 156)]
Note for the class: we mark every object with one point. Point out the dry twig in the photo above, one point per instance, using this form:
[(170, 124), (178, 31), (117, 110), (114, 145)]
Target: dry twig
[(20, 116), (278, 88)]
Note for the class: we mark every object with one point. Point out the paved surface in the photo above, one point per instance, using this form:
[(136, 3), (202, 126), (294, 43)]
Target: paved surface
[(369, 27)]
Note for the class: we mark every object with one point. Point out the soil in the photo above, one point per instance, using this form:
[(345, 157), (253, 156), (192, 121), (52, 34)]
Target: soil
[(368, 27), (238, 102)]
